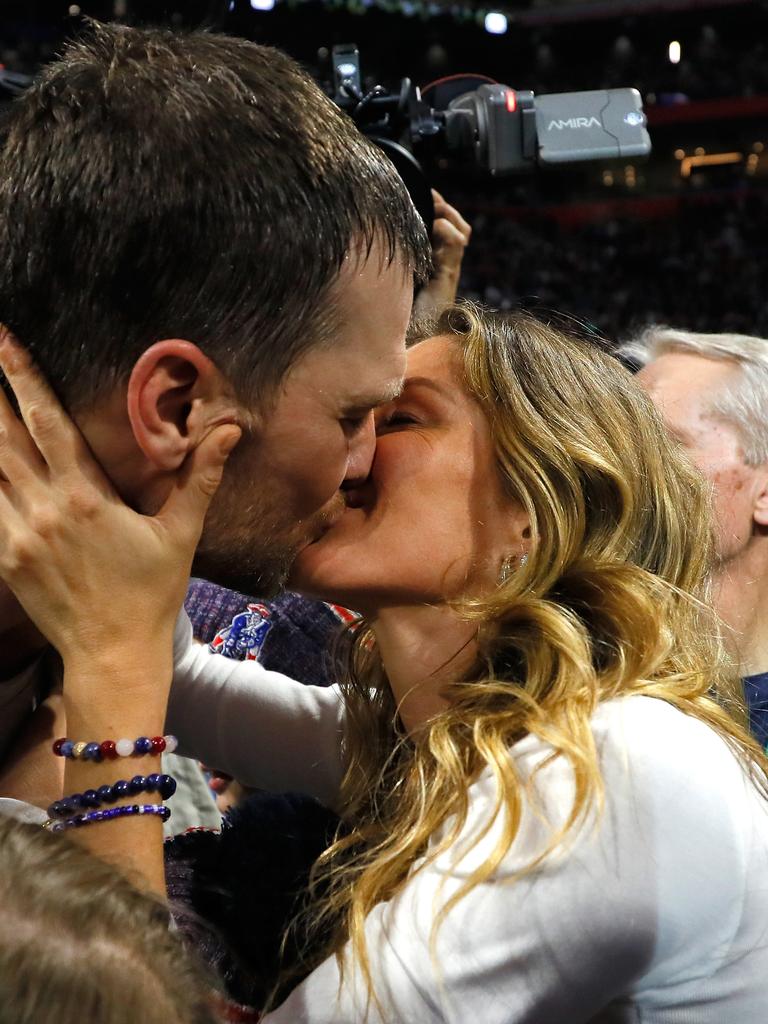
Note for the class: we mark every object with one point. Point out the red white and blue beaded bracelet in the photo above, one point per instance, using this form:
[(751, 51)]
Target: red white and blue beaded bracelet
[(110, 749)]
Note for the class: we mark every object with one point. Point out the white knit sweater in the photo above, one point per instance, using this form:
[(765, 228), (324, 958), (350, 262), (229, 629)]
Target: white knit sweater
[(655, 913)]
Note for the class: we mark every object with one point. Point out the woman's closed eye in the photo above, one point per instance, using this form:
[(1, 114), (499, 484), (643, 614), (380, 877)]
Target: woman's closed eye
[(394, 420)]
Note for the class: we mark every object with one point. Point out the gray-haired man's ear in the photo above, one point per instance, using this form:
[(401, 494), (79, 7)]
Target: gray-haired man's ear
[(760, 510)]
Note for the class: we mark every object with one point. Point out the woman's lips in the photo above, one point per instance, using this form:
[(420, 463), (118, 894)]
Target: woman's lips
[(360, 499)]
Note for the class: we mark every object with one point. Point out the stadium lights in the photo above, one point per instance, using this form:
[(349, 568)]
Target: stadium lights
[(675, 52), (711, 160), (496, 23)]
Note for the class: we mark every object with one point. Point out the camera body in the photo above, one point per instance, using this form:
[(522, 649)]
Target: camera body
[(511, 131), (494, 127)]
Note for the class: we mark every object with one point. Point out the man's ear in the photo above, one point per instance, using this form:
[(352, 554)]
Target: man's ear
[(175, 396), (760, 508)]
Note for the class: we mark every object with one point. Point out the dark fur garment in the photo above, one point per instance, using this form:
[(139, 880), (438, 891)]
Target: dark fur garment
[(234, 893)]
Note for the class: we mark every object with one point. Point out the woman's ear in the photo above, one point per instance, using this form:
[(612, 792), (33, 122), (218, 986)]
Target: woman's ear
[(516, 537), (520, 530), (175, 395)]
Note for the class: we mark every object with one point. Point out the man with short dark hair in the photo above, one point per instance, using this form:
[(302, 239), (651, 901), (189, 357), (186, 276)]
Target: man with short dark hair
[(195, 235)]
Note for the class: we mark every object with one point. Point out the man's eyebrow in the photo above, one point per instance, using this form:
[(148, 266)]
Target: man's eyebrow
[(387, 394), (443, 390)]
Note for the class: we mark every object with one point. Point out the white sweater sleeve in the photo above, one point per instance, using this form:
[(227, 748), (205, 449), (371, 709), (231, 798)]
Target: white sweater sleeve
[(641, 917), (22, 811), (264, 729)]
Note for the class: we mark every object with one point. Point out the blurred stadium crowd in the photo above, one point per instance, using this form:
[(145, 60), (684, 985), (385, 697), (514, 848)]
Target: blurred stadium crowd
[(702, 269)]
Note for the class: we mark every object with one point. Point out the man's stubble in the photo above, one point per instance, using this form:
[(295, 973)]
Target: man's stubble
[(251, 547)]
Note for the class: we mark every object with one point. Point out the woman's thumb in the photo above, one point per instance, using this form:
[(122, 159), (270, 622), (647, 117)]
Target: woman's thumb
[(200, 479)]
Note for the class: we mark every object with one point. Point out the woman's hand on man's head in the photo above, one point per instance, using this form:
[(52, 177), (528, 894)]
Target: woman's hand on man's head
[(92, 573)]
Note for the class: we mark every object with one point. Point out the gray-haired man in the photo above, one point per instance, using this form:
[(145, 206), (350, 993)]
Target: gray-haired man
[(712, 390)]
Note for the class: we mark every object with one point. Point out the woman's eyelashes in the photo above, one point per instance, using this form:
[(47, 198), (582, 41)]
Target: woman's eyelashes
[(394, 419)]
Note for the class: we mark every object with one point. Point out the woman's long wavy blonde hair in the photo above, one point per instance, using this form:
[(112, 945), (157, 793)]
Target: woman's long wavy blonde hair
[(612, 601)]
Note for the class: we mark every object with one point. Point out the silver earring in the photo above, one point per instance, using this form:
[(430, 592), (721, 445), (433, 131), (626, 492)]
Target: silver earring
[(509, 565)]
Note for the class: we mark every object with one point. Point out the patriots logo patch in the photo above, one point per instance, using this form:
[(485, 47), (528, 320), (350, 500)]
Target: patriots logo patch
[(244, 637)]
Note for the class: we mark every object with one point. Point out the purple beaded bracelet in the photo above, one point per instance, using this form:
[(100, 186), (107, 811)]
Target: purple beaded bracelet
[(165, 785), (91, 817)]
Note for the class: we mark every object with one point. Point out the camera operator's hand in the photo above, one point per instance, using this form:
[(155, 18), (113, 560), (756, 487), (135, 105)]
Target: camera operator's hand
[(450, 237)]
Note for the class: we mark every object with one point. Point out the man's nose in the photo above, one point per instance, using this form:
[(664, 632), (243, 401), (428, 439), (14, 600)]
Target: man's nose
[(361, 452)]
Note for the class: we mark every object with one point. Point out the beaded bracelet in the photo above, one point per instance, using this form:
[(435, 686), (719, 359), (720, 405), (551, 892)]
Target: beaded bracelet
[(126, 810), (165, 785), (110, 749)]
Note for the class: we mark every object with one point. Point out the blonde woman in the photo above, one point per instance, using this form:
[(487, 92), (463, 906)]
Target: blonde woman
[(553, 817)]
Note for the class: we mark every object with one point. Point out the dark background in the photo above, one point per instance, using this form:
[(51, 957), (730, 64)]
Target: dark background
[(613, 245)]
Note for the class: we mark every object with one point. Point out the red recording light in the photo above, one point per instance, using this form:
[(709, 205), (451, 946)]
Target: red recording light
[(511, 101)]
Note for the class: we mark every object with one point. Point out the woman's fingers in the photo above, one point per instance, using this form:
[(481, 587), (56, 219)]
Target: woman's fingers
[(183, 513), (55, 436), (48, 440), (20, 461)]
